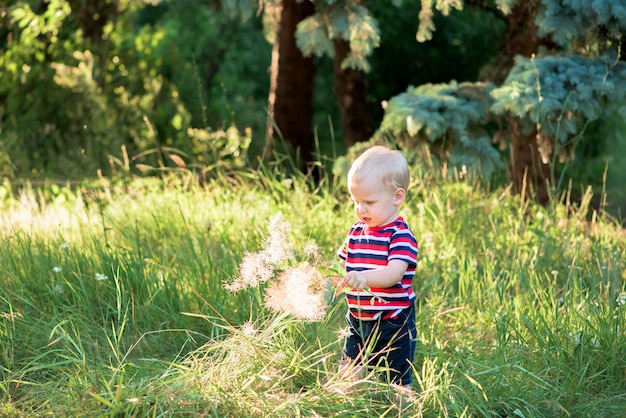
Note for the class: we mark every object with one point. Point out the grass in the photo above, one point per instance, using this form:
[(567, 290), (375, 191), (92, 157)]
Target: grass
[(114, 302)]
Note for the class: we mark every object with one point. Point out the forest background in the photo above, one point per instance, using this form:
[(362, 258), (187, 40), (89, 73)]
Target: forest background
[(204, 146), (528, 92)]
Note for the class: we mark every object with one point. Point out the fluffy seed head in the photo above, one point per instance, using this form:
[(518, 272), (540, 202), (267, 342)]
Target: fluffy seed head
[(299, 291)]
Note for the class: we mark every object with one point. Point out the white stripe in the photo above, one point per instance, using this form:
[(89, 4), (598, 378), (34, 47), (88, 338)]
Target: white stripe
[(368, 252), (378, 309), (403, 244)]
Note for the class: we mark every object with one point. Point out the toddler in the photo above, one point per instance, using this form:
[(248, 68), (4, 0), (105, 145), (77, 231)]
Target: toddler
[(380, 257)]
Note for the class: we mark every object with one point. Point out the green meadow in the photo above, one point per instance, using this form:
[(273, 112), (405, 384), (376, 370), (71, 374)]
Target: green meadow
[(171, 298)]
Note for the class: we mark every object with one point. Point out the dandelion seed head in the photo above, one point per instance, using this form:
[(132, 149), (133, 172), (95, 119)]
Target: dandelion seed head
[(311, 250), (258, 267), (278, 247), (299, 291), (59, 289), (343, 333), (277, 252), (253, 271), (248, 328), (233, 286)]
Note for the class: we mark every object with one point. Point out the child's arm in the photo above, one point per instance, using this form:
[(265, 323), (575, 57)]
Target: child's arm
[(383, 277)]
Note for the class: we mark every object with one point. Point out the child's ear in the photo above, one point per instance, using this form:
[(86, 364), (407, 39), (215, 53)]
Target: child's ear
[(399, 196)]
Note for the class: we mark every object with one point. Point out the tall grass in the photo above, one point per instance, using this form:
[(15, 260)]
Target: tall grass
[(114, 301)]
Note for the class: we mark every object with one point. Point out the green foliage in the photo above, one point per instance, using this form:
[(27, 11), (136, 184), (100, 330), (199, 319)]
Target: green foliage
[(465, 38), (314, 37), (211, 72), (63, 111), (431, 110), (71, 105), (578, 19), (505, 5), (600, 161), (349, 21), (215, 66), (426, 24), (220, 149), (452, 116), (27, 90), (242, 9), (559, 94)]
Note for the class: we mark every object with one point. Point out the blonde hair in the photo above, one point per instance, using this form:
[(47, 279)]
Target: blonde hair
[(384, 164)]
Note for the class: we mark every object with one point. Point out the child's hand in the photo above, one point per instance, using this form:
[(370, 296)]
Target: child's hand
[(354, 279)]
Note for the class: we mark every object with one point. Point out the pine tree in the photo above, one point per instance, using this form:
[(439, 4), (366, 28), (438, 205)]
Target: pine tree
[(559, 69), (343, 30), (569, 72)]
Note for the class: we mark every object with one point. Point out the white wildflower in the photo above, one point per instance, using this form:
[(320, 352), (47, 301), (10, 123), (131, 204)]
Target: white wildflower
[(343, 333), (575, 337), (311, 250), (580, 338), (299, 291), (248, 328), (278, 247), (621, 299), (257, 268), (65, 246), (56, 269), (100, 277), (59, 289), (253, 271)]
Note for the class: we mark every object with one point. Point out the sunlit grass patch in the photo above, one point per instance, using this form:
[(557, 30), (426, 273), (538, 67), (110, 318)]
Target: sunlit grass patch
[(165, 298)]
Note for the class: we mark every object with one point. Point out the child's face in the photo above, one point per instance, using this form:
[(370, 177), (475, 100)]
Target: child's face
[(375, 203)]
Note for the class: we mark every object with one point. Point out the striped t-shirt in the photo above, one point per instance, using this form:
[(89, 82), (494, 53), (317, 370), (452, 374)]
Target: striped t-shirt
[(371, 248)]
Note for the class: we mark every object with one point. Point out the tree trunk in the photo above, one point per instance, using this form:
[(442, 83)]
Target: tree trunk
[(290, 101), (530, 176), (351, 93)]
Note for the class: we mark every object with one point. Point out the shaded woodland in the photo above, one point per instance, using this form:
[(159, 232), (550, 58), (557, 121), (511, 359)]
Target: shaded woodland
[(529, 92)]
